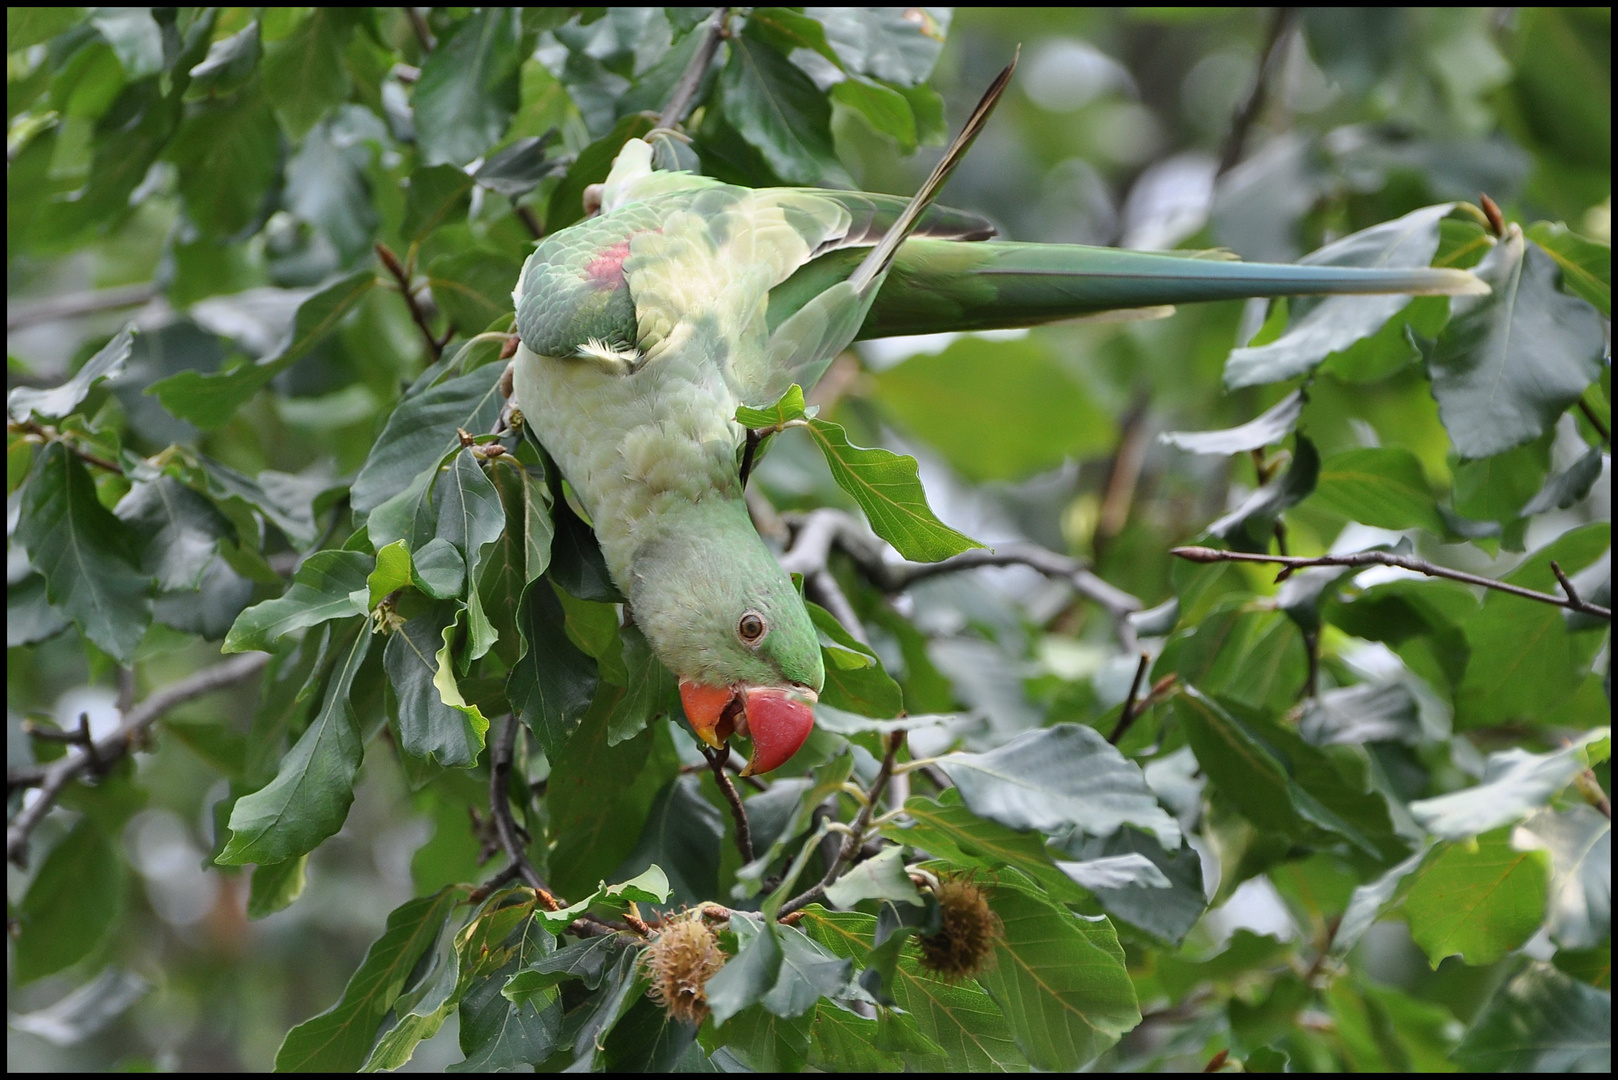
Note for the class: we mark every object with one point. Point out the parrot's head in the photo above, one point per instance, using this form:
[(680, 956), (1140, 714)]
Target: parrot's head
[(725, 618)]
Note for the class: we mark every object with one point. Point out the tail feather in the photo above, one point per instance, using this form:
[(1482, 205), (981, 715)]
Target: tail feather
[(870, 272), (938, 285)]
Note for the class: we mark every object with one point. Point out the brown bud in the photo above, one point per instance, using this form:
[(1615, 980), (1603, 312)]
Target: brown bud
[(679, 962), (964, 945)]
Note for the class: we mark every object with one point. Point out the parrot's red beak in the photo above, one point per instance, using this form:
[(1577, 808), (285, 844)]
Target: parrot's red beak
[(777, 720)]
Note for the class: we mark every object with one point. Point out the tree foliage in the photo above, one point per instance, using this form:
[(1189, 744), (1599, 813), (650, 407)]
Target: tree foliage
[(1326, 789)]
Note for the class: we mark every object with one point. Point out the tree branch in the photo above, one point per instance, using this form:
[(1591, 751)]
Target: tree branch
[(856, 833), (96, 756), (500, 810), (49, 434), (1131, 703), (744, 832), (1595, 421), (417, 315), (30, 312), (685, 90), (1388, 558), (1241, 125), (837, 529)]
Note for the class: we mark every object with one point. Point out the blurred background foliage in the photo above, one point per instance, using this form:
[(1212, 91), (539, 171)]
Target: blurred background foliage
[(201, 172)]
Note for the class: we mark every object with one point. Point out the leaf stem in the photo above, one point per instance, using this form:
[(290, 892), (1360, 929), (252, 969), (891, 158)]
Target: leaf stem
[(856, 832), (402, 276)]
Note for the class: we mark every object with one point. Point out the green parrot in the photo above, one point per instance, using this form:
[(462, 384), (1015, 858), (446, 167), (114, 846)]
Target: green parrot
[(644, 327)]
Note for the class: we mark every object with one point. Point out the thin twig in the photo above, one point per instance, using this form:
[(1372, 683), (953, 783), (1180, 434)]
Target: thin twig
[(96, 756), (754, 437), (1388, 558), (1590, 787), (1567, 586), (500, 810), (1595, 421), (1127, 717), (417, 315), (530, 222), (1247, 114), (424, 36), (685, 90), (856, 833), (30, 312), (50, 434), (738, 812)]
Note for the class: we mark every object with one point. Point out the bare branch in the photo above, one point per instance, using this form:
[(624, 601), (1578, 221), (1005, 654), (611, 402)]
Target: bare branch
[(1247, 114), (31, 312), (418, 24), (744, 832), (1595, 421), (1388, 558), (402, 277), (49, 434), (96, 756), (856, 833), (679, 102), (1127, 717), (500, 809)]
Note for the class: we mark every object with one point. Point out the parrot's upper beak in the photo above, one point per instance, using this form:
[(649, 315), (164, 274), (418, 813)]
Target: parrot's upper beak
[(777, 719)]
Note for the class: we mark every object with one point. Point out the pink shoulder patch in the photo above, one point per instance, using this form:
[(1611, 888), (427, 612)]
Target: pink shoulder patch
[(607, 269)]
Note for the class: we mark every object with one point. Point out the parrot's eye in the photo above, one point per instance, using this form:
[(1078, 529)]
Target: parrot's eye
[(750, 628)]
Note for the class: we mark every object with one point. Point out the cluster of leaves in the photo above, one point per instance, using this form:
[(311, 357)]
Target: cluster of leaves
[(215, 478)]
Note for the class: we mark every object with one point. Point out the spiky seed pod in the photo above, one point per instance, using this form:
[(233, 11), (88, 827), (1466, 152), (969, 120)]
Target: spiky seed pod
[(684, 956), (964, 945)]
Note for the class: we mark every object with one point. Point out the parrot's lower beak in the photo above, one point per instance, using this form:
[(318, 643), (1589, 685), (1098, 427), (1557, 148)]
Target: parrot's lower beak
[(777, 720)]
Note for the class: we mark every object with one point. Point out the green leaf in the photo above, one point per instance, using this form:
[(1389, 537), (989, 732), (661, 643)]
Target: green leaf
[(230, 63), (1255, 658), (276, 885), (566, 204), (779, 111), (1515, 784), (283, 500), (324, 587), (1579, 841), (746, 978), (59, 401), (898, 45), (314, 786), (1479, 900), (1060, 980), (1363, 713), (888, 489), (947, 830), (553, 683), (27, 26), (208, 400), (1382, 487), (473, 288), (1331, 324), (887, 111), (339, 1039), (598, 796), (682, 835), (958, 1017), (423, 430), (179, 530), (518, 169), (1541, 1021), (228, 155), (528, 515), (438, 195), (500, 1035), (1509, 363), (1586, 264), (1250, 526), (1056, 779), (305, 74), (1166, 911), (843, 1042), (1266, 429), (431, 724), (778, 416), (470, 516), (1280, 782), (84, 553), (881, 877), (1524, 659), (1028, 413), (652, 691), (468, 90), (71, 906), (589, 960), (393, 572), (1568, 486), (855, 679), (762, 1041)]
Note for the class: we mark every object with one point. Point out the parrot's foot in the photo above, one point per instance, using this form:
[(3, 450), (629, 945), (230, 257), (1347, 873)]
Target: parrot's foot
[(611, 358)]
